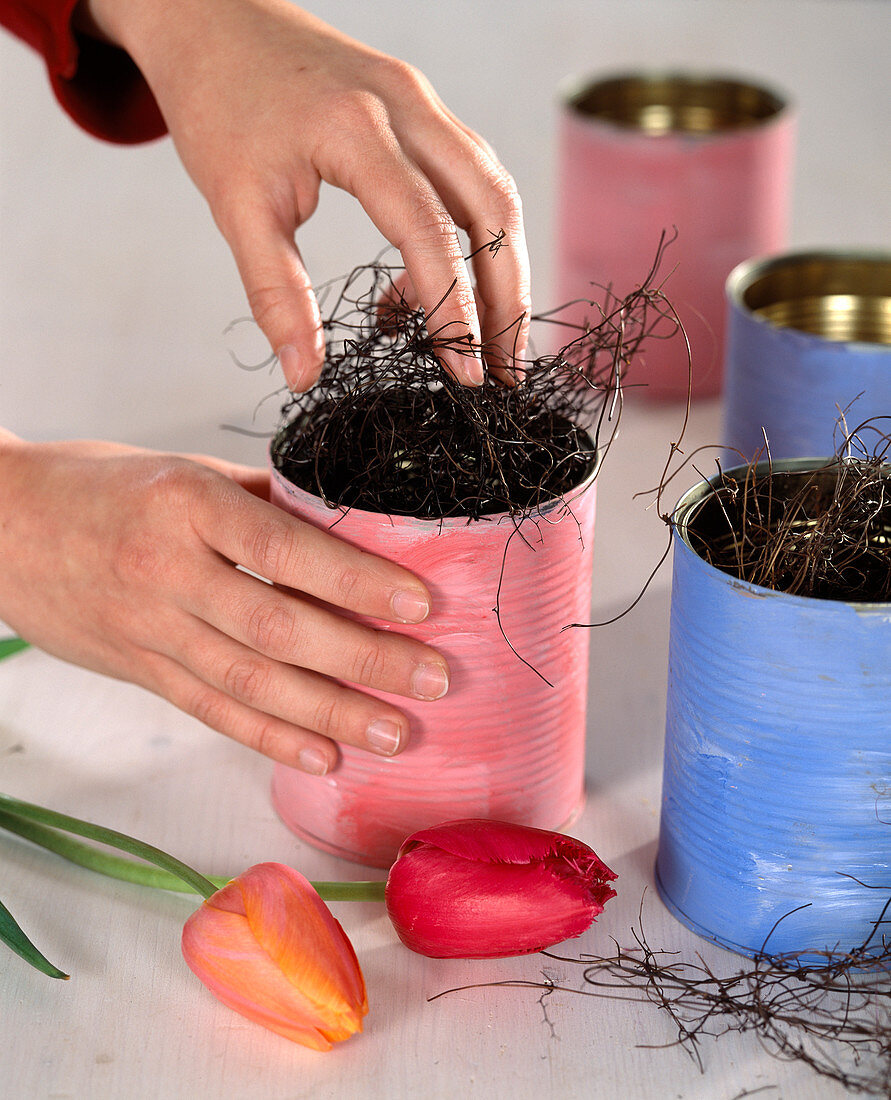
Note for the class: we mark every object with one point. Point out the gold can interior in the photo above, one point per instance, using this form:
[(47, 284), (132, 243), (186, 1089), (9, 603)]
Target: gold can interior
[(677, 103), (842, 298)]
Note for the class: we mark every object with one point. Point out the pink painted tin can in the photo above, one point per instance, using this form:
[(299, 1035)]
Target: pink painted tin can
[(643, 154), (503, 743)]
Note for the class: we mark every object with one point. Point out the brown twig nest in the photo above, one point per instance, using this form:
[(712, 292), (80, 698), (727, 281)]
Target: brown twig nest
[(819, 529), (388, 430)]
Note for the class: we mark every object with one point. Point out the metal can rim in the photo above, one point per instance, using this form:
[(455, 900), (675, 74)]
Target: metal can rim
[(451, 522), (687, 506), (572, 87), (748, 271)]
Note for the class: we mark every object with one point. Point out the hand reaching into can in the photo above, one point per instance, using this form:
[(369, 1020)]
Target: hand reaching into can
[(264, 102), (271, 103)]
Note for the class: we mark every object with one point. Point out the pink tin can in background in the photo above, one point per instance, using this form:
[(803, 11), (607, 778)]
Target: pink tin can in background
[(645, 153), (503, 743)]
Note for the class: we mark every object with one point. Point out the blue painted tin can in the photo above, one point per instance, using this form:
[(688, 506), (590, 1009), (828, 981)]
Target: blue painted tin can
[(808, 338), (777, 782)]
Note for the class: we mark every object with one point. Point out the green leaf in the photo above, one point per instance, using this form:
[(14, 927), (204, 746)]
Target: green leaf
[(30, 812), (129, 870), (8, 646), (94, 858), (12, 935)]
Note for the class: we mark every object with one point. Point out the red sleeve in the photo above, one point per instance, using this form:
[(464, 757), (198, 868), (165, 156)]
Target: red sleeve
[(98, 84)]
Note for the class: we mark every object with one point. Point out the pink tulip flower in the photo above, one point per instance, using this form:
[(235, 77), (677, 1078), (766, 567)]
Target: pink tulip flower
[(267, 946), (485, 889)]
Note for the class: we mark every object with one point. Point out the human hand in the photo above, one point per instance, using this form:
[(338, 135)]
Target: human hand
[(264, 101), (122, 560)]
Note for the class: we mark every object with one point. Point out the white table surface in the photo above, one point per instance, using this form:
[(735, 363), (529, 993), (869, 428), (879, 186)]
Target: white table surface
[(134, 1022), (115, 291)]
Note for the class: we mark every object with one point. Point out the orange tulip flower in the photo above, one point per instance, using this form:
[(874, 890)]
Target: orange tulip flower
[(267, 946)]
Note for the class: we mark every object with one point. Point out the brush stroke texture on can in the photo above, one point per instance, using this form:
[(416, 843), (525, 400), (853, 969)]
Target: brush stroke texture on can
[(721, 179), (502, 743), (776, 806)]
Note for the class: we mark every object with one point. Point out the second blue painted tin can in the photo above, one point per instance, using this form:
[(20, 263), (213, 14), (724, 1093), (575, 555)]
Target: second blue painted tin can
[(808, 339), (776, 809)]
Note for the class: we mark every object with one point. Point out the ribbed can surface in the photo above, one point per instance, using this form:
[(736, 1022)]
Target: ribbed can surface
[(502, 743), (777, 779), (808, 338)]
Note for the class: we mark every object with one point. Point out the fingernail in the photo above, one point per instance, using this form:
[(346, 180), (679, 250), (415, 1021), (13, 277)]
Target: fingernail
[(430, 682), (293, 369), (410, 607), (474, 373), (313, 761), (384, 735), (465, 366)]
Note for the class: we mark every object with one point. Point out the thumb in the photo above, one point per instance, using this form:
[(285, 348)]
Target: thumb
[(281, 298), (252, 478)]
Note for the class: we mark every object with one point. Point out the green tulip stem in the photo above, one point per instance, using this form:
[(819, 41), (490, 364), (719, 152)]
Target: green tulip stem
[(362, 890), (37, 814), (162, 872), (8, 646)]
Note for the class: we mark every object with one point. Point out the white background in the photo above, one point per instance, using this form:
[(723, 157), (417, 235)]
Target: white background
[(116, 288), (116, 285)]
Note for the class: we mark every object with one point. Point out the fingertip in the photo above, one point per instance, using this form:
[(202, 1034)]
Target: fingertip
[(386, 736), (467, 369), (410, 605), (475, 373), (519, 368), (282, 300), (507, 376), (314, 761), (301, 371), (289, 361), (430, 681)]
